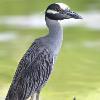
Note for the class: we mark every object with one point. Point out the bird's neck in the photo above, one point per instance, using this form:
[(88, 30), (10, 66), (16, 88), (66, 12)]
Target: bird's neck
[(54, 27), (55, 34)]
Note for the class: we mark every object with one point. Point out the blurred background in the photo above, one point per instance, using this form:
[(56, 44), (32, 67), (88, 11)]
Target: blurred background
[(77, 70)]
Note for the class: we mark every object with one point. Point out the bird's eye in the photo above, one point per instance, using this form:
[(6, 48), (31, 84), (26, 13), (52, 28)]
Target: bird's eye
[(61, 11), (56, 8)]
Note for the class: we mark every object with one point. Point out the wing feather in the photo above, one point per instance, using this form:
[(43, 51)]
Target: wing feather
[(33, 71)]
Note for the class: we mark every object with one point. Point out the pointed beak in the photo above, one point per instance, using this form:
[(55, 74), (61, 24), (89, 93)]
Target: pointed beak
[(71, 14)]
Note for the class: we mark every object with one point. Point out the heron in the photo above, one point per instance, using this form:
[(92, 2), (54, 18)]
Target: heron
[(35, 67)]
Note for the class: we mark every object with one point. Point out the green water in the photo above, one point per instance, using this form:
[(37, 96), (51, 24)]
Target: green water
[(14, 7)]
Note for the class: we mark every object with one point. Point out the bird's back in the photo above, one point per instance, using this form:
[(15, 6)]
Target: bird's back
[(33, 71)]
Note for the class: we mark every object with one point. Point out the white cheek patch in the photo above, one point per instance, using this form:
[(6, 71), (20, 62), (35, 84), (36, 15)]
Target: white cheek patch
[(52, 11), (63, 6)]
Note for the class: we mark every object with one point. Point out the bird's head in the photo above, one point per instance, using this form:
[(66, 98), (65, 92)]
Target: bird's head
[(60, 11)]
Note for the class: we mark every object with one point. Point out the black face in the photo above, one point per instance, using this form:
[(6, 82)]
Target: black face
[(57, 13), (54, 7)]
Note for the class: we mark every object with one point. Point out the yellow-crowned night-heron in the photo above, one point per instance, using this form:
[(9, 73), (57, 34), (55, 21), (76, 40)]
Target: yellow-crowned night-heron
[(36, 65)]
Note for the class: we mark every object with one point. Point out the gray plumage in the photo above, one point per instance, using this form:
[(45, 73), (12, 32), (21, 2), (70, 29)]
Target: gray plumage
[(35, 67), (33, 76)]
